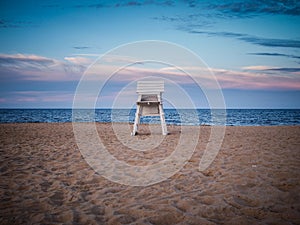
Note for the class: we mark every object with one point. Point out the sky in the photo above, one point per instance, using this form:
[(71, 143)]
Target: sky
[(252, 47)]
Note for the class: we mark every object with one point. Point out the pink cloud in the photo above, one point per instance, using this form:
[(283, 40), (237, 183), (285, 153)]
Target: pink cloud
[(256, 80), (39, 68), (79, 60), (228, 79), (259, 67), (24, 57)]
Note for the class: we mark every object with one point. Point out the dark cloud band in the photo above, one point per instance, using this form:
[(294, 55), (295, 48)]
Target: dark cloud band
[(275, 54), (267, 42)]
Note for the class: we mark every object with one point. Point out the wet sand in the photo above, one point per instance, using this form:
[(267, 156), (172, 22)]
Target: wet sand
[(45, 180)]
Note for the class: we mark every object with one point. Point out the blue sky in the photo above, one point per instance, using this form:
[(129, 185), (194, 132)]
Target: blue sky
[(253, 47)]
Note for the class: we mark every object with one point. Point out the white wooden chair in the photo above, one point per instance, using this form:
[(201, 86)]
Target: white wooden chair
[(149, 103)]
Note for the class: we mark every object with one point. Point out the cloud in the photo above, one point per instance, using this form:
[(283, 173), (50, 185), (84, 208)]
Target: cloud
[(267, 42), (206, 13), (245, 8), (143, 3), (203, 14), (15, 23), (20, 67), (187, 22), (228, 8), (258, 78), (256, 7), (34, 67), (46, 85), (130, 3), (6, 24), (275, 54), (117, 4), (270, 68), (81, 47), (21, 58), (79, 60), (249, 78), (98, 5), (26, 63), (271, 42), (287, 69), (259, 68), (191, 3)]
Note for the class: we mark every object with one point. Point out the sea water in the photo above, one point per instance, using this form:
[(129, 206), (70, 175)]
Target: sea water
[(229, 117)]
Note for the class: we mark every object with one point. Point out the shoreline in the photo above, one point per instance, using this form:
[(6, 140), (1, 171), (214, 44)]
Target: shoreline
[(254, 178)]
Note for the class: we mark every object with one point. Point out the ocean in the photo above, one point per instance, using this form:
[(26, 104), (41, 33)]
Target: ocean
[(234, 117)]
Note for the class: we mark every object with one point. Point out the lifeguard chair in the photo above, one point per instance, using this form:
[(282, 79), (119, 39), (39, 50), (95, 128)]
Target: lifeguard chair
[(149, 103)]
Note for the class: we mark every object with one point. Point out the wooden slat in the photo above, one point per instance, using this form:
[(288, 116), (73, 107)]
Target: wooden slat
[(150, 87)]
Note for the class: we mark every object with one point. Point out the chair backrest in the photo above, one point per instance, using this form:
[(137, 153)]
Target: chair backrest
[(150, 87)]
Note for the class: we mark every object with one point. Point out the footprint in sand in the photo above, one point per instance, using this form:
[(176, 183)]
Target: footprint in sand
[(57, 198), (245, 201)]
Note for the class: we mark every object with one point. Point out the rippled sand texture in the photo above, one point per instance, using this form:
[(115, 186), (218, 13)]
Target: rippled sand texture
[(254, 179)]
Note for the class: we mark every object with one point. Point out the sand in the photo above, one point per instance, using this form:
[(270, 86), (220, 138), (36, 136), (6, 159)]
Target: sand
[(253, 180)]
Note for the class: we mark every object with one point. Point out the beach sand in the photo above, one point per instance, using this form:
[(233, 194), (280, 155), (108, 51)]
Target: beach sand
[(253, 180)]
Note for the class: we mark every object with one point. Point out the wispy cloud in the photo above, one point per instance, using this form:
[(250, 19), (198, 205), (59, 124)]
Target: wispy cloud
[(287, 69), (275, 69), (81, 47), (267, 42), (117, 4), (275, 54), (259, 67), (18, 59), (4, 23), (144, 3), (270, 68), (187, 22), (238, 8), (98, 5), (255, 7), (205, 14), (271, 42)]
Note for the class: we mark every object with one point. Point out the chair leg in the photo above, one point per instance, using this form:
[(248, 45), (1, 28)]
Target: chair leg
[(162, 120), (136, 120)]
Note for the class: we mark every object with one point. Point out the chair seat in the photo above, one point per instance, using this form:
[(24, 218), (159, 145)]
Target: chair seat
[(148, 98), (148, 102)]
